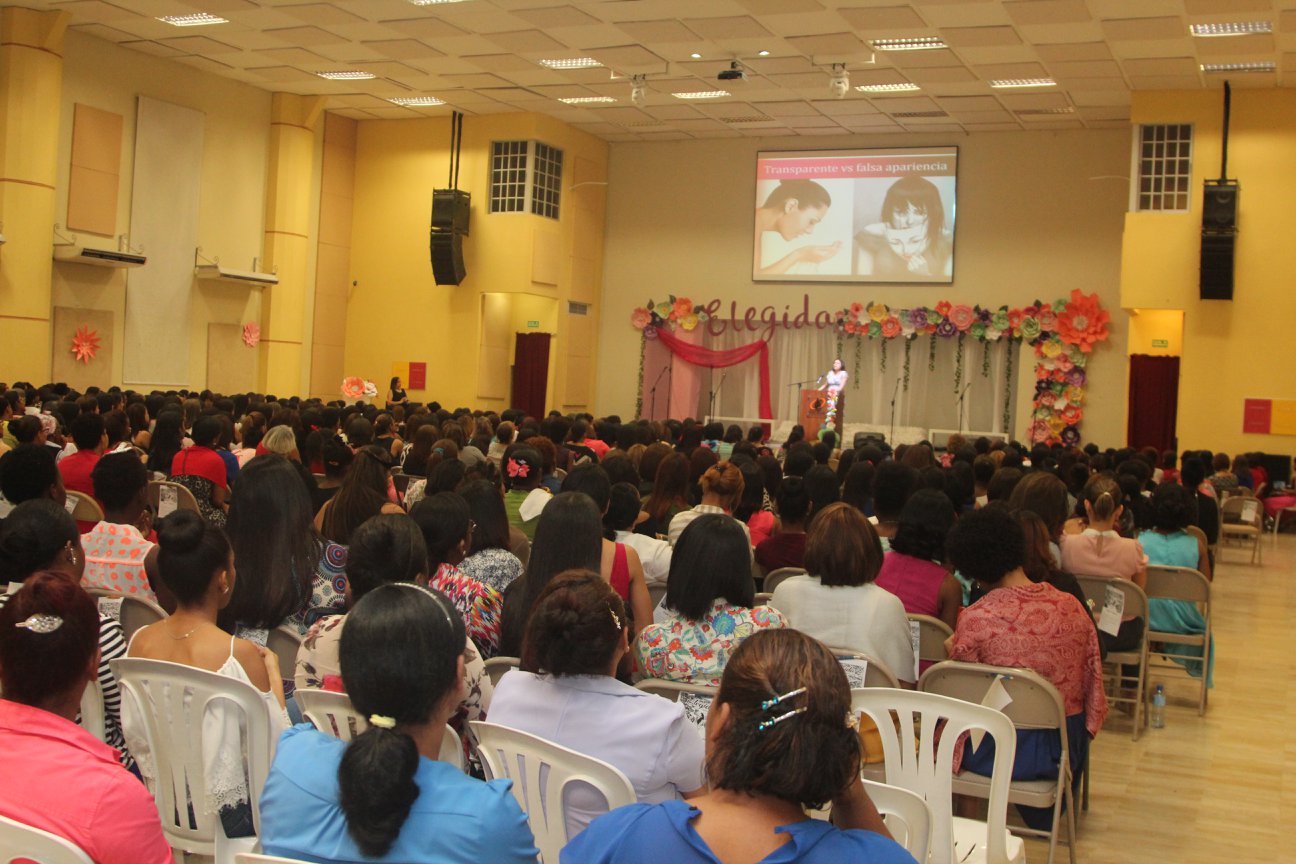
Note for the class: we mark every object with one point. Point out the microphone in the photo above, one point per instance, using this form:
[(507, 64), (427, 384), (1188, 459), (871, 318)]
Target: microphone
[(657, 380), (896, 391)]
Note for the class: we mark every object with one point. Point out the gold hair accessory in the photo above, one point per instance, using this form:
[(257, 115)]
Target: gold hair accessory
[(41, 623), (852, 720), (616, 619), (382, 722)]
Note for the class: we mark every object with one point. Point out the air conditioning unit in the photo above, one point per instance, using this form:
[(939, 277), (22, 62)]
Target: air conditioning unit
[(220, 273), (78, 254)]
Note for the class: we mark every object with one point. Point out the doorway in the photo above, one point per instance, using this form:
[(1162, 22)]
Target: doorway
[(1155, 344), (531, 373)]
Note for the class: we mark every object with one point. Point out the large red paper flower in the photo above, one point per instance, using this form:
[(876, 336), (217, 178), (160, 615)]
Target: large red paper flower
[(1083, 322), (85, 344), (891, 327), (962, 316)]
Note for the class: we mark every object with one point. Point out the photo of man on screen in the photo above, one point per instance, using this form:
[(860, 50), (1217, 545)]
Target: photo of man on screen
[(910, 242)]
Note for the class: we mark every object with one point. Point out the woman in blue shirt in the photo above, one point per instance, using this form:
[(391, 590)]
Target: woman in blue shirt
[(384, 797), (779, 739), (1170, 545)]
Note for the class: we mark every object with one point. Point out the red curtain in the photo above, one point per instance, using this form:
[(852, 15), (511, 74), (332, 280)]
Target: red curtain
[(713, 359), (531, 373), (1153, 401)]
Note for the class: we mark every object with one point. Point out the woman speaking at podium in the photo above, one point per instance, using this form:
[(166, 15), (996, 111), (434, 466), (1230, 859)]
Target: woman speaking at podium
[(833, 385)]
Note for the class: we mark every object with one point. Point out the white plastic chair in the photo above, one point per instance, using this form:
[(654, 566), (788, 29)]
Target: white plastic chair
[(907, 816), (523, 759), (916, 761), (774, 577), (285, 641), (131, 611), (334, 715), (1036, 704), (19, 842), (673, 689), (93, 718), (1183, 583), (496, 667), (171, 699)]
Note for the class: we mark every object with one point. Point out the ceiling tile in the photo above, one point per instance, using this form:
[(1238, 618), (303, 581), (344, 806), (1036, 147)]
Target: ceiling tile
[(1226, 7), (550, 17), (1011, 70), (1161, 66), (733, 27), (321, 13), (845, 45), (1083, 69), (1074, 51), (1144, 29), (527, 42), (306, 36), (404, 49), (425, 28), (629, 58), (659, 31), (973, 37), (1047, 11), (884, 18), (941, 75), (781, 7)]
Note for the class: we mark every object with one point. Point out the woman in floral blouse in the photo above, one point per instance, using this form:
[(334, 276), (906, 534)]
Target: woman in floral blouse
[(447, 530), (708, 607)]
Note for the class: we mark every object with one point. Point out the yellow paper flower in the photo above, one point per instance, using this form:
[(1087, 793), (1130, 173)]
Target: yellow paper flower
[(878, 312), (1052, 348), (689, 321)]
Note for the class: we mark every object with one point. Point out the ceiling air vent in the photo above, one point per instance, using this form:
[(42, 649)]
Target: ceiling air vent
[(574, 308)]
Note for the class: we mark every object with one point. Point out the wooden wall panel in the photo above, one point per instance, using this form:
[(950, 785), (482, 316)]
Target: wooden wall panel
[(65, 366), (231, 365), (96, 170)]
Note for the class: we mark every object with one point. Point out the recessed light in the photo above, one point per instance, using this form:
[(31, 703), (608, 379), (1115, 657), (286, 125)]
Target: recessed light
[(417, 101), (1262, 66), (586, 100), (347, 75), (1231, 28), (1040, 112), (702, 94), (571, 63), (198, 19), (887, 88), (696, 56), (762, 53), (916, 43), (1009, 83)]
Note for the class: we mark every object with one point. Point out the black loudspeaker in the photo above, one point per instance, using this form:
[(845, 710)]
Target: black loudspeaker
[(447, 258), (1219, 207), (1217, 266), (450, 210)]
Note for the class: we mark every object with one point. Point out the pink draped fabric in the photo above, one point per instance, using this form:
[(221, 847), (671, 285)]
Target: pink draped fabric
[(713, 359)]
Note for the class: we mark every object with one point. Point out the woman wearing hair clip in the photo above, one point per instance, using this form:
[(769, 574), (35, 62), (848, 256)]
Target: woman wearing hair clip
[(780, 738), (523, 471), (57, 776), (565, 692), (384, 796)]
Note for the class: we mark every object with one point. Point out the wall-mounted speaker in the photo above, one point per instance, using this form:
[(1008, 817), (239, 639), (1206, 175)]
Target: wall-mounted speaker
[(447, 258), (450, 210), (1220, 206), (1217, 265)]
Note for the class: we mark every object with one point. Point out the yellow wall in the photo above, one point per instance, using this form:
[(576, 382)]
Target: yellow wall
[(1156, 325), (231, 211), (1039, 213), (1232, 350), (397, 313)]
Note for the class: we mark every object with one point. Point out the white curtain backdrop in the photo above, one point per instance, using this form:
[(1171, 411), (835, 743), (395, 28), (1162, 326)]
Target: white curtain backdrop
[(931, 400)]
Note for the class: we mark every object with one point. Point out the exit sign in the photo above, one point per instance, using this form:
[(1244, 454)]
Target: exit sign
[(533, 324), (1160, 343)]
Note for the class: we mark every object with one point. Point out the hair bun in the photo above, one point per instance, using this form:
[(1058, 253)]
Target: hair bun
[(181, 532)]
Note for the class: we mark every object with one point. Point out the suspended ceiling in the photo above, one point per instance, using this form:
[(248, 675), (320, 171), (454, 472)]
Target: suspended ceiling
[(480, 57)]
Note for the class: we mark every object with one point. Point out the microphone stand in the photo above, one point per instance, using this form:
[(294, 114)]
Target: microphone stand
[(894, 394), (960, 406), (656, 381), (716, 392)]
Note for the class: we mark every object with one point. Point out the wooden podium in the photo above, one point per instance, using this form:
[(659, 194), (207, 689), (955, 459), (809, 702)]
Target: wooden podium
[(813, 410)]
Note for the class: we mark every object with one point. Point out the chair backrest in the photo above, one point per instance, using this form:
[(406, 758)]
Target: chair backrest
[(898, 805), (285, 641), (763, 598), (1178, 583), (83, 507), (655, 595), (672, 689), (526, 759), (19, 842), (932, 633), (401, 482), (92, 710), (334, 715), (184, 499), (497, 666), (1095, 591), (171, 701), (1243, 509), (917, 760), (876, 673), (130, 610), (774, 577), (1036, 703)]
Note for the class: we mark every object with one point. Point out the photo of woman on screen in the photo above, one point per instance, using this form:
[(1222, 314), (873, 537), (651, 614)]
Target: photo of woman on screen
[(792, 210), (910, 243)]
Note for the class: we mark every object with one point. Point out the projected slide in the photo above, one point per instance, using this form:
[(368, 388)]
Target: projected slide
[(878, 215)]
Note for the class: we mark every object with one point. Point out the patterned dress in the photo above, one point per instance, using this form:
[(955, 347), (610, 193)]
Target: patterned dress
[(495, 568), (479, 605), (115, 559), (695, 652)]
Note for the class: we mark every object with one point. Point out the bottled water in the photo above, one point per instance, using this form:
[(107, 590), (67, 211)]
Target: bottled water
[(1157, 718)]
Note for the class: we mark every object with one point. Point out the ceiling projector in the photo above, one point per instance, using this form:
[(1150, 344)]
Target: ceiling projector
[(735, 72)]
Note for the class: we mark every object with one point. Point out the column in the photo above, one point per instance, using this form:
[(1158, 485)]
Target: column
[(287, 247), (31, 86)]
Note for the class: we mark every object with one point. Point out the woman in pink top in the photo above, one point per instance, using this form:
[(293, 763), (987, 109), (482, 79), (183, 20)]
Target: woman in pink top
[(118, 554), (49, 642), (914, 569)]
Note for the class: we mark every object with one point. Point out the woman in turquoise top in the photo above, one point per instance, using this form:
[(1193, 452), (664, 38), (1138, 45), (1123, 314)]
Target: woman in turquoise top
[(1170, 545), (384, 797)]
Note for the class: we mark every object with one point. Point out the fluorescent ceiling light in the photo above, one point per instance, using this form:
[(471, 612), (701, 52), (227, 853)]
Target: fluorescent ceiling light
[(916, 43), (887, 88), (1262, 66), (1231, 28), (1009, 83), (571, 63), (702, 94), (586, 100), (417, 101), (347, 75), (1034, 112), (696, 56), (198, 19), (762, 53)]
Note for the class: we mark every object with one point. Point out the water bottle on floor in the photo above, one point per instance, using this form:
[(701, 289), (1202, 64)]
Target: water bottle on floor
[(1157, 718)]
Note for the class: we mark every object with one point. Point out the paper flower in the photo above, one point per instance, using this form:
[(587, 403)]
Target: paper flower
[(1052, 348), (85, 344), (1071, 436), (978, 330), (878, 312), (1083, 322), (353, 387), (640, 318), (891, 327), (944, 308), (1047, 319), (962, 317), (251, 334), (370, 389), (856, 310), (689, 321), (1029, 328), (683, 306), (918, 317), (1000, 320), (946, 329), (874, 329), (650, 332)]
